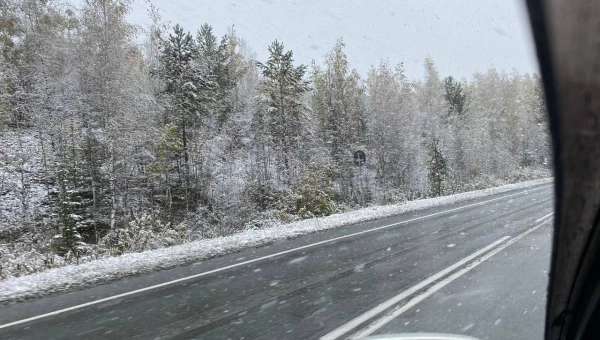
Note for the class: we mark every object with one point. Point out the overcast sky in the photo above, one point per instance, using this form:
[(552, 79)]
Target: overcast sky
[(462, 36)]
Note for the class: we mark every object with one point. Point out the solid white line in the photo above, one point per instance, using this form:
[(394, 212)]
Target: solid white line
[(543, 217), (118, 296), (347, 327), (414, 301)]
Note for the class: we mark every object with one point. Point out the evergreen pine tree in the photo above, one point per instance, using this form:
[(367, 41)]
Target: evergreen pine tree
[(215, 57), (283, 87), (455, 97), (184, 81), (456, 100), (437, 169), (68, 241)]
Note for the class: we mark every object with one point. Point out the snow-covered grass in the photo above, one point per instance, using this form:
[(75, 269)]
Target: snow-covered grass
[(104, 270)]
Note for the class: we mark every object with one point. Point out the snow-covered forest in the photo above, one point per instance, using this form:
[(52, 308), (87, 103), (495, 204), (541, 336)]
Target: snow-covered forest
[(116, 138)]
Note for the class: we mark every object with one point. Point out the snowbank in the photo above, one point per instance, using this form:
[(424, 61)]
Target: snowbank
[(104, 270)]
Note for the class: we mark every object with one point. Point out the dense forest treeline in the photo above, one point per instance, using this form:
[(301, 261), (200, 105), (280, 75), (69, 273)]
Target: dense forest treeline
[(109, 145)]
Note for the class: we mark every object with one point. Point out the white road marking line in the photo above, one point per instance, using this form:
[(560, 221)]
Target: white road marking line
[(118, 296), (370, 329), (347, 327), (543, 217)]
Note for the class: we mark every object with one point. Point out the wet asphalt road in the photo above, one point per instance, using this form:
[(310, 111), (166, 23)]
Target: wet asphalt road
[(503, 298), (306, 294)]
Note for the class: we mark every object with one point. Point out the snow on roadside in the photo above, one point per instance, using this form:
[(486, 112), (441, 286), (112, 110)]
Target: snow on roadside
[(104, 270)]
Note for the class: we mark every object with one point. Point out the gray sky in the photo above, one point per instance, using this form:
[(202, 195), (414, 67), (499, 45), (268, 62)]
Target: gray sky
[(462, 36)]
